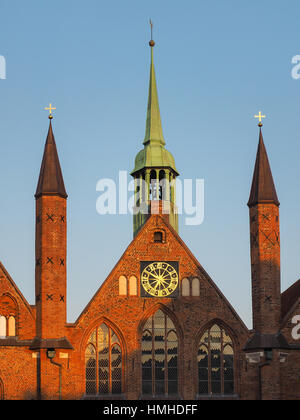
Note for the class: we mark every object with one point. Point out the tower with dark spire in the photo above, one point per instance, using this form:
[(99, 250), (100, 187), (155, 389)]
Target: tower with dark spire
[(265, 245), (155, 171), (51, 245), (267, 339)]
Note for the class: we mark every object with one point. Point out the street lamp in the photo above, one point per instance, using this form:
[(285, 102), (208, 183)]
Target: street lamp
[(51, 354)]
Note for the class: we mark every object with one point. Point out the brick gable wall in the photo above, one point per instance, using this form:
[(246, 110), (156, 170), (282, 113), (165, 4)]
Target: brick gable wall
[(126, 315)]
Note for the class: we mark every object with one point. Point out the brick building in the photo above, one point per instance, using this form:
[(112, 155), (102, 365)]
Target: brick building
[(158, 327)]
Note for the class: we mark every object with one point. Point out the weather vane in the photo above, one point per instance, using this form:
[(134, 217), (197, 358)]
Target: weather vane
[(151, 43), (260, 117), (50, 111)]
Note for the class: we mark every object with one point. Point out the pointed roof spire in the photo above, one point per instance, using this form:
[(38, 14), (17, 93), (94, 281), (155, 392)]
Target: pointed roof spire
[(154, 133), (50, 180), (154, 154), (263, 188)]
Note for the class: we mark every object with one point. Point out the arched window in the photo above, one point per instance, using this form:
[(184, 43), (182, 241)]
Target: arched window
[(162, 185), (11, 326), (122, 286), (185, 287), (159, 356), (215, 362), (195, 287), (153, 185), (2, 326), (8, 316), (133, 286), (1, 391), (103, 362), (90, 370)]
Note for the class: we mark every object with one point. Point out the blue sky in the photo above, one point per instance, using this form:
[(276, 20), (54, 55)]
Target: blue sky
[(217, 64)]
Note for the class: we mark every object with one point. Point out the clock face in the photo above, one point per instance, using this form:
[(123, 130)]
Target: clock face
[(159, 279)]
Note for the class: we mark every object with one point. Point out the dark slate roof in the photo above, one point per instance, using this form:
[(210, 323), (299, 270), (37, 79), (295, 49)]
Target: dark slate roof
[(267, 341), (54, 343), (263, 188), (14, 342), (50, 180), (289, 298)]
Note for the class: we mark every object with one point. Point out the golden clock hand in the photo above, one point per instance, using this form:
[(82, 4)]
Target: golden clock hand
[(166, 275), (164, 281), (157, 284)]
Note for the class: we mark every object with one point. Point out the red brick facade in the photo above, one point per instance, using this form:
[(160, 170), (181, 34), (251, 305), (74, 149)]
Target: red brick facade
[(27, 373), (192, 345)]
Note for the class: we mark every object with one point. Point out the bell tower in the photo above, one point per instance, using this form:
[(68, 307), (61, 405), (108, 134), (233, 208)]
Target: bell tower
[(155, 171)]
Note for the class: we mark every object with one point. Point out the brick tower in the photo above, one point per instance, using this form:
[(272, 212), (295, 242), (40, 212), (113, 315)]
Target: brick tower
[(51, 245), (267, 341), (265, 245)]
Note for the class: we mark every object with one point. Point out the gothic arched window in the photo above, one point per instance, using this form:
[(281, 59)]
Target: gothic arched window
[(159, 356), (185, 287), (122, 286), (195, 287), (215, 362), (8, 316), (103, 362), (133, 288), (11, 326)]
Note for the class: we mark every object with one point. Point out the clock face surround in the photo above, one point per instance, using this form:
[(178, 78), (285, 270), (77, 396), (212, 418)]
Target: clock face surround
[(159, 279)]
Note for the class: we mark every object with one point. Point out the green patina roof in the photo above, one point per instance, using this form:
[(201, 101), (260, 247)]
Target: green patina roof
[(154, 153), (154, 156)]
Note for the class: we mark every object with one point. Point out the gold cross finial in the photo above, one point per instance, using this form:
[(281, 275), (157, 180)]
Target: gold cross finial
[(260, 117), (50, 111)]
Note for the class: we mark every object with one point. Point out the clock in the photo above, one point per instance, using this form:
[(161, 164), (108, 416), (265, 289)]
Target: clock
[(159, 279)]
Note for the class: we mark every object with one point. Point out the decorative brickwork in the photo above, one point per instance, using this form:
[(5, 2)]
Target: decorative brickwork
[(265, 265), (51, 254)]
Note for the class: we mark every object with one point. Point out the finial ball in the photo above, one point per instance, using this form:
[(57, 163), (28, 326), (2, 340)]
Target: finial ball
[(50, 117), (151, 43)]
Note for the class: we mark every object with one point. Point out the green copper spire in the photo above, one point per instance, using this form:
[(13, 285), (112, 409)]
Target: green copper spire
[(154, 133), (154, 168)]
